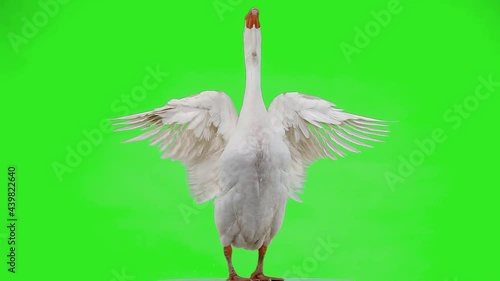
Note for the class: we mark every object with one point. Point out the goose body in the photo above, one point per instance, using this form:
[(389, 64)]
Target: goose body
[(250, 208), (254, 169), (252, 164)]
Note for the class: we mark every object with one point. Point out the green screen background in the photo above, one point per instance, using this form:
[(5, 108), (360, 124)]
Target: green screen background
[(120, 213)]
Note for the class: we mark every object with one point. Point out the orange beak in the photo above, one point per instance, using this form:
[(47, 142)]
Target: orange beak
[(252, 18)]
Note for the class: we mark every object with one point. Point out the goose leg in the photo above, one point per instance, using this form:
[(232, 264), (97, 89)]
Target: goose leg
[(258, 274), (228, 251)]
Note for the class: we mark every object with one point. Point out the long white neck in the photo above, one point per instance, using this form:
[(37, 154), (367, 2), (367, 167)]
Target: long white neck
[(253, 109)]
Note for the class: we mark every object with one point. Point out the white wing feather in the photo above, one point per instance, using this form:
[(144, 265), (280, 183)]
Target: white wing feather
[(313, 128), (193, 130)]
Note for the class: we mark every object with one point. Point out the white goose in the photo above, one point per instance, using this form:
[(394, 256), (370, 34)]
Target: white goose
[(251, 165)]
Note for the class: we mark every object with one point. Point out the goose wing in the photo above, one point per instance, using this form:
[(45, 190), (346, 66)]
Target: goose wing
[(313, 128), (193, 130)]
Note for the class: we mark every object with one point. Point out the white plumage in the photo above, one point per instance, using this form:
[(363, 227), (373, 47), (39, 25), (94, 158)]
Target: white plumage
[(253, 163), (193, 130)]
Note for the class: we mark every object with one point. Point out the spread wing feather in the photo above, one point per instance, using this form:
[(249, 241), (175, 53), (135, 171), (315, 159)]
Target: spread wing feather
[(193, 130), (313, 128)]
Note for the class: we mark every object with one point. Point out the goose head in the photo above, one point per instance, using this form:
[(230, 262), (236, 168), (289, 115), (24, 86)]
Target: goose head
[(252, 37)]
